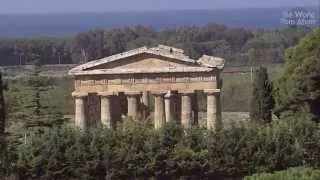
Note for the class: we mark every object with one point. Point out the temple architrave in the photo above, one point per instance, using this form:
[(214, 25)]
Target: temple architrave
[(126, 83)]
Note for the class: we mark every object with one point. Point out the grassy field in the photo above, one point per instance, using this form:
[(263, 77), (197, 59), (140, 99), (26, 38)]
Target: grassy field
[(237, 89)]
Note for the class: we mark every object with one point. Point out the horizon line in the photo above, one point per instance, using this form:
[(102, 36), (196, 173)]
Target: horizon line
[(154, 10)]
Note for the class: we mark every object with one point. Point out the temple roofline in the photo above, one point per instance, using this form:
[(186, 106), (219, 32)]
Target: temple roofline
[(143, 71), (161, 50)]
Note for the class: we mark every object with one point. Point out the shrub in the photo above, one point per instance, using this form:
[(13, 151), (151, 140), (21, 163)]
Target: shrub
[(299, 173), (135, 150)]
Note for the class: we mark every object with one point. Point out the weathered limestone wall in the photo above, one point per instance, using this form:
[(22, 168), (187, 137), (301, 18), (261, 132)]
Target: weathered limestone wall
[(146, 82)]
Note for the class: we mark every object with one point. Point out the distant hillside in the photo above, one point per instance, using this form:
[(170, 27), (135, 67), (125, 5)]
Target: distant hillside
[(59, 24)]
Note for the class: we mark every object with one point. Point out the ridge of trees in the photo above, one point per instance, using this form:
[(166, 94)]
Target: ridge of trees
[(237, 45)]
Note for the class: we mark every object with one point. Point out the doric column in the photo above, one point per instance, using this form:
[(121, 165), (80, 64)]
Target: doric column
[(213, 109), (186, 111), (159, 111), (176, 105), (80, 110), (145, 104), (106, 114), (132, 98), (195, 108), (168, 107)]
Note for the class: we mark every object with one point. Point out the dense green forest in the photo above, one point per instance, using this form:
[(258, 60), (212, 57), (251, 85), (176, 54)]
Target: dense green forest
[(239, 46)]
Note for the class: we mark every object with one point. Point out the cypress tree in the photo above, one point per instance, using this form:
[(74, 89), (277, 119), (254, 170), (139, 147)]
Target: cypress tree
[(36, 117), (2, 107), (262, 100), (34, 84), (3, 147)]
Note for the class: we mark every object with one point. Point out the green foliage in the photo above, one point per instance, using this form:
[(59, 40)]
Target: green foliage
[(238, 45), (51, 50), (2, 108), (262, 100), (3, 147), (55, 101), (134, 150), (62, 153), (35, 84), (268, 46), (34, 111), (297, 90), (299, 173)]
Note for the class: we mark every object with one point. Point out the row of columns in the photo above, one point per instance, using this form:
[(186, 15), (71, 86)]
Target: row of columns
[(163, 108)]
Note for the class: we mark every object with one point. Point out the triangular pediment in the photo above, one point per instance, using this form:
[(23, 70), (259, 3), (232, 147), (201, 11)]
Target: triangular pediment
[(143, 60)]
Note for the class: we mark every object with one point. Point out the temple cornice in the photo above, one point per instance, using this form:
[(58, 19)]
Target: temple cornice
[(205, 63)]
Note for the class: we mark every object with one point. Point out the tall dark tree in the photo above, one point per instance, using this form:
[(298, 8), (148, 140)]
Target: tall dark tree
[(298, 88), (34, 109), (262, 100), (2, 107), (2, 129), (35, 84)]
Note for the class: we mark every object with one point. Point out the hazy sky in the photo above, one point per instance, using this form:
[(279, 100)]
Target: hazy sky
[(71, 6)]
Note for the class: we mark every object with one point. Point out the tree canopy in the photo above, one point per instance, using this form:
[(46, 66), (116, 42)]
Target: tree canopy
[(234, 44), (298, 88)]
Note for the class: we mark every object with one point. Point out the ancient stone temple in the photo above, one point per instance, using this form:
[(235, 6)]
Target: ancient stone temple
[(127, 83)]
